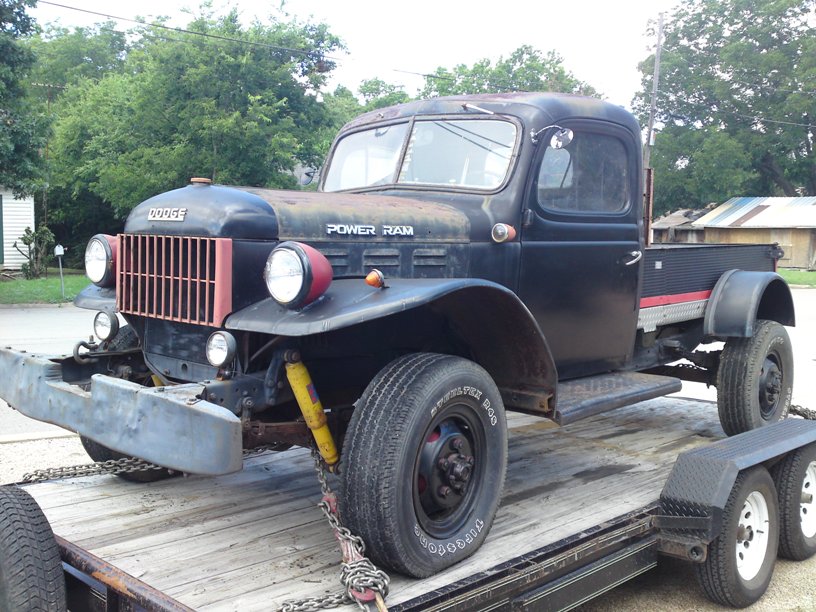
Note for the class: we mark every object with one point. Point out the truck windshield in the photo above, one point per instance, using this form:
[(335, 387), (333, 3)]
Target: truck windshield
[(473, 154)]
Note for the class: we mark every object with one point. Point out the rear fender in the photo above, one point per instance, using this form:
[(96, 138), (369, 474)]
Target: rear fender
[(498, 330), (741, 297)]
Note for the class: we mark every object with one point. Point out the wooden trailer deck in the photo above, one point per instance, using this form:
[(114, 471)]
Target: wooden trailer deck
[(251, 540)]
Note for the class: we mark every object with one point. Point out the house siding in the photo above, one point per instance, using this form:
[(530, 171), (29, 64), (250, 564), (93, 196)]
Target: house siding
[(17, 215)]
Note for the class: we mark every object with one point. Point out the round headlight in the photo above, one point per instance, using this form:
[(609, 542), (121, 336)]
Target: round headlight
[(296, 274), (105, 325), (221, 348), (100, 260), (284, 275)]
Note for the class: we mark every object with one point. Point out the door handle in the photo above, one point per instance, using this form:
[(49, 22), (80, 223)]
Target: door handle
[(636, 257)]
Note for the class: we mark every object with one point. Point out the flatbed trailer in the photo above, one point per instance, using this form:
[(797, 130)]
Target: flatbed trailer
[(578, 517)]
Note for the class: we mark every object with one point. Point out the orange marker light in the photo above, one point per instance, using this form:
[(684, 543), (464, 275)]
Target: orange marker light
[(502, 232), (375, 278)]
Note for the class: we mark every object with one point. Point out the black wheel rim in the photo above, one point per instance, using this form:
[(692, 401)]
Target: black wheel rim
[(448, 470), (770, 385)]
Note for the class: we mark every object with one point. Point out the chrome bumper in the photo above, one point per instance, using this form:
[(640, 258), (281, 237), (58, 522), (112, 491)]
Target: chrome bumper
[(168, 426)]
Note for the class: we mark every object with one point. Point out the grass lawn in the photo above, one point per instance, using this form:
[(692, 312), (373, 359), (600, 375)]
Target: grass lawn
[(42, 290), (798, 277)]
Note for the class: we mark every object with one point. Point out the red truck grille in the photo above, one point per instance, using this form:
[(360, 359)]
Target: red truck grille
[(176, 278)]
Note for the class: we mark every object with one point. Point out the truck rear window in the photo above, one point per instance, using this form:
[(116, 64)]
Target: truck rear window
[(470, 154)]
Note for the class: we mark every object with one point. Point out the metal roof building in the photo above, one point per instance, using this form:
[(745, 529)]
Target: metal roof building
[(791, 222)]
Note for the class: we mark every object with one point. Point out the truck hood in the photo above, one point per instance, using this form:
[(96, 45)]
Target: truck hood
[(269, 214)]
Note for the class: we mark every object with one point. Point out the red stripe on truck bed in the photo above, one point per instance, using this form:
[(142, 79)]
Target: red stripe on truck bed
[(677, 298)]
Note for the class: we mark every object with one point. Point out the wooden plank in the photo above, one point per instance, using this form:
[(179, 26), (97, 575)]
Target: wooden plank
[(252, 540)]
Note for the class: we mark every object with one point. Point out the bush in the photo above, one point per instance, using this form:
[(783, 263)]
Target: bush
[(38, 248)]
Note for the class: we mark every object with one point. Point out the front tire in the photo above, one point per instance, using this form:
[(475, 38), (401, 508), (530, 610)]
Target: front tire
[(424, 461), (31, 577), (755, 379), (795, 478), (741, 559), (100, 452)]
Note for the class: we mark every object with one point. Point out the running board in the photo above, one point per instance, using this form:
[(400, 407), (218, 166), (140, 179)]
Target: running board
[(585, 397)]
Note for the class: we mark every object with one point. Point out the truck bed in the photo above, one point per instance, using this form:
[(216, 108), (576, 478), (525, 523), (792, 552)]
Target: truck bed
[(679, 269), (251, 540)]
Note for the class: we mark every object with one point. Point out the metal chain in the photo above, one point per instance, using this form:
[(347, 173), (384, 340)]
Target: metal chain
[(125, 465), (803, 412), (360, 577)]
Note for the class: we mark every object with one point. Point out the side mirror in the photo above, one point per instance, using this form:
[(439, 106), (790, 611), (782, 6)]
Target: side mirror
[(307, 177), (561, 138)]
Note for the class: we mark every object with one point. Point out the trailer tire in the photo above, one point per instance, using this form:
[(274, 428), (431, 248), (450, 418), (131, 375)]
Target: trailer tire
[(100, 452), (423, 464), (741, 559), (31, 577), (795, 476), (755, 379)]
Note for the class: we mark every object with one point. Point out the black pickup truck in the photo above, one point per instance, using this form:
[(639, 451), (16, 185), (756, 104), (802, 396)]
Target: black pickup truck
[(461, 257)]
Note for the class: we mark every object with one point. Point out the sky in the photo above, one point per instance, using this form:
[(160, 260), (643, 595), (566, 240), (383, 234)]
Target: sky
[(601, 41)]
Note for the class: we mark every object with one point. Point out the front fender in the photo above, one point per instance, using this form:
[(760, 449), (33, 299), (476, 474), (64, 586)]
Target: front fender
[(740, 297), (97, 298), (498, 329)]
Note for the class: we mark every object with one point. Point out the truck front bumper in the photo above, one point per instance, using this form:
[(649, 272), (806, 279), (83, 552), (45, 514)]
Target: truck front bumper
[(168, 426)]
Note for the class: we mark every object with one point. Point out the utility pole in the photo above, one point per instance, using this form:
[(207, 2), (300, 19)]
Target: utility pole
[(647, 150)]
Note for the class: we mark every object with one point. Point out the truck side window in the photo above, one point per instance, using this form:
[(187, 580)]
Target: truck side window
[(589, 175)]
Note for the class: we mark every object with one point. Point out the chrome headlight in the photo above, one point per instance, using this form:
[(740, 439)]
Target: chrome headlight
[(221, 348), (296, 274), (105, 325), (100, 260)]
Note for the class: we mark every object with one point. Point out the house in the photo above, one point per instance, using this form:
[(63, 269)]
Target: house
[(791, 222), (677, 227), (15, 215)]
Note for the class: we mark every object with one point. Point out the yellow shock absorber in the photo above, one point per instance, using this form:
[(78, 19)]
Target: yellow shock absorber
[(312, 410)]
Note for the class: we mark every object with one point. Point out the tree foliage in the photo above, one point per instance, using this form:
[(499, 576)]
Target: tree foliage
[(737, 97), (21, 128), (525, 69)]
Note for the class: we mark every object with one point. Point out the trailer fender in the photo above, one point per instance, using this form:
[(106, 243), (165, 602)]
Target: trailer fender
[(97, 298), (694, 496), (501, 334), (741, 297)]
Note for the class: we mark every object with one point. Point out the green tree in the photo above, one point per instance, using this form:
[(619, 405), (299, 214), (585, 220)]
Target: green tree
[(525, 69), (737, 97), (21, 130), (184, 105), (66, 57), (377, 93)]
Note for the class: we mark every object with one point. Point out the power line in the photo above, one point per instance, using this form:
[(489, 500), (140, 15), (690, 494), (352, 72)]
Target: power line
[(192, 32)]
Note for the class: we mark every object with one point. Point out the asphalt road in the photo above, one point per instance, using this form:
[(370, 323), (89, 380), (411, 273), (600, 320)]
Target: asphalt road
[(672, 586)]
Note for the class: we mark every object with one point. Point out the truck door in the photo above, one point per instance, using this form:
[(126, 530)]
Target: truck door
[(581, 251)]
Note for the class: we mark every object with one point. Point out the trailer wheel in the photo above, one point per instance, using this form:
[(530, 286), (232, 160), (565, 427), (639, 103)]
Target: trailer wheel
[(31, 575), (424, 460), (741, 559), (795, 478), (755, 379), (100, 452)]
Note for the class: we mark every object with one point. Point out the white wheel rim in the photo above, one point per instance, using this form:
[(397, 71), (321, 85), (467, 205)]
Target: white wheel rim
[(807, 509), (752, 535)]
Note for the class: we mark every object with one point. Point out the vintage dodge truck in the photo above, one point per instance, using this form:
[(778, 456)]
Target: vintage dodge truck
[(461, 257)]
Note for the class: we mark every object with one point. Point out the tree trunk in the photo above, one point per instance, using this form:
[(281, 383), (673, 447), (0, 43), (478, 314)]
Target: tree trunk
[(771, 168)]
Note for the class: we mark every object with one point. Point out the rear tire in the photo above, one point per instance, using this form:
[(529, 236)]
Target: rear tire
[(755, 379), (741, 559), (423, 463), (795, 478), (31, 577)]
